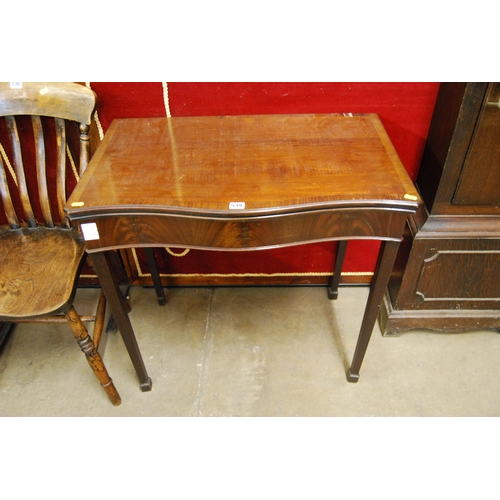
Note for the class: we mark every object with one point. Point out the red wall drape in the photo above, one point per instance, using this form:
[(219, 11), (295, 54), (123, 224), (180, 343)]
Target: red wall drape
[(405, 109)]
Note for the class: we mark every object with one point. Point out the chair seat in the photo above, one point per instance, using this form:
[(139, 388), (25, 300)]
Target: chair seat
[(38, 271)]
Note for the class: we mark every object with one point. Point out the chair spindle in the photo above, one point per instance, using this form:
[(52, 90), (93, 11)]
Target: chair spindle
[(10, 213), (61, 167), (41, 170), (18, 164), (84, 147)]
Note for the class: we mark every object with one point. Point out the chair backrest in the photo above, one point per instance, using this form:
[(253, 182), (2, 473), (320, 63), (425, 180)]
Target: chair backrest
[(29, 198)]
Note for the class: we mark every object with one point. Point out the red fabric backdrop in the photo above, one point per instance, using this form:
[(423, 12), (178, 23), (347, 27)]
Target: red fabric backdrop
[(404, 108)]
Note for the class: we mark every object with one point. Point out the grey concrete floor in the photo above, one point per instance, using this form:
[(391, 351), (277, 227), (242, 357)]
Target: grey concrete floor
[(251, 352)]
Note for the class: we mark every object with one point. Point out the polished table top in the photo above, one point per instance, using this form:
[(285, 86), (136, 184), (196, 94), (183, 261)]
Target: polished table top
[(243, 166)]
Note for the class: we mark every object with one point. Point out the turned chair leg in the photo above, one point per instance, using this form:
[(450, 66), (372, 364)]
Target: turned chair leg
[(93, 357)]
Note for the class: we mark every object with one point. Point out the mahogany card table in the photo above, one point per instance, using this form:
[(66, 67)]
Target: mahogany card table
[(242, 183)]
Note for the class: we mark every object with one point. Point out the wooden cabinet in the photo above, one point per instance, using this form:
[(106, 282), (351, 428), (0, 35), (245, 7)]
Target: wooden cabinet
[(447, 273)]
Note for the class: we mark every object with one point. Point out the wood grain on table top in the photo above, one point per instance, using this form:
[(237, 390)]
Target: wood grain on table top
[(272, 163)]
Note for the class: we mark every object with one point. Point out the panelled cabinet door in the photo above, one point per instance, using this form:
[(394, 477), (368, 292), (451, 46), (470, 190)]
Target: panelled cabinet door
[(480, 177)]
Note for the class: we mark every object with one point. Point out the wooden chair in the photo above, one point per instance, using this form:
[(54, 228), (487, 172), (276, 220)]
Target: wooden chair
[(40, 254)]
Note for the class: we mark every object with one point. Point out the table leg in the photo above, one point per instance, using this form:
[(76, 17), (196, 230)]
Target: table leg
[(333, 288), (118, 306), (385, 263), (155, 275)]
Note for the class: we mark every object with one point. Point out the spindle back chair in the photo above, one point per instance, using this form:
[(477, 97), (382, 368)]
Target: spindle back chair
[(41, 255)]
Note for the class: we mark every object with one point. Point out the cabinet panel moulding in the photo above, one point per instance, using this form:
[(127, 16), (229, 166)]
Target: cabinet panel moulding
[(470, 276)]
